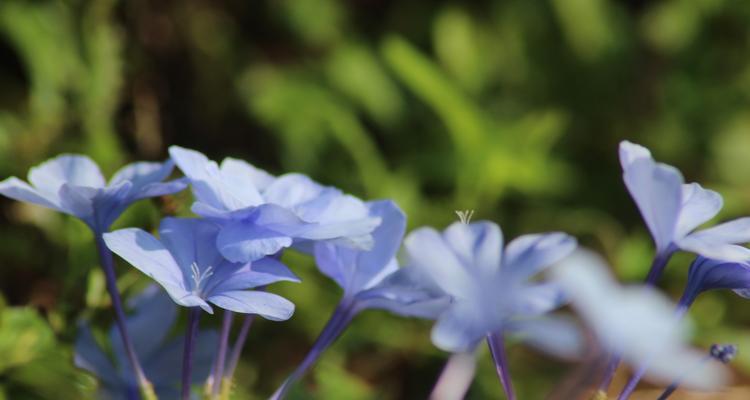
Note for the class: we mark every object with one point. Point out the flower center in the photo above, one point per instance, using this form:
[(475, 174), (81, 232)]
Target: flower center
[(200, 277)]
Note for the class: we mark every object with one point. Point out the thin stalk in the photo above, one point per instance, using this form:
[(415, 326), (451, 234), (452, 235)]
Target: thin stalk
[(682, 308), (108, 265), (221, 353), (456, 377), (497, 348), (191, 335), (340, 319), (655, 272), (239, 344)]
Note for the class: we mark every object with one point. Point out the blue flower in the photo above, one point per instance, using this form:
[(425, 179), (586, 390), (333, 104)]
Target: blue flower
[(672, 209), (73, 184), (636, 323), (707, 274), (372, 278), (149, 326), (261, 214), (192, 271), (490, 288)]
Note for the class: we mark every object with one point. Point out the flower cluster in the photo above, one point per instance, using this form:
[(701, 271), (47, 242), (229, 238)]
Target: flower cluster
[(466, 278)]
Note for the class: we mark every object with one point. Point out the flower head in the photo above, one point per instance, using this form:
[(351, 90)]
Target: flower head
[(637, 323), (73, 184), (672, 209), (489, 286), (187, 264), (149, 326), (707, 274), (261, 214), (372, 277)]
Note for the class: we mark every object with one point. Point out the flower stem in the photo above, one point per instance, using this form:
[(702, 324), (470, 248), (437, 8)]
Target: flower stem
[(345, 311), (497, 348), (191, 335), (108, 265), (456, 377), (221, 353), (239, 344)]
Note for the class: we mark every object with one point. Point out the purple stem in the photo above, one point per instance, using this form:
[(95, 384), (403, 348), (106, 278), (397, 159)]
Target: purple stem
[(497, 348), (345, 311), (239, 344), (221, 352), (191, 335), (682, 308), (108, 265), (657, 269)]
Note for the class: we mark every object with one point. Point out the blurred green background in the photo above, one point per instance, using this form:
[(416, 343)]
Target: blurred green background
[(511, 108)]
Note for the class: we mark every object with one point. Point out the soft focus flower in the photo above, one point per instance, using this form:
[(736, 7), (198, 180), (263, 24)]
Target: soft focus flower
[(673, 209), (706, 274), (73, 184), (489, 287), (149, 325), (637, 323), (372, 278), (187, 264), (261, 214)]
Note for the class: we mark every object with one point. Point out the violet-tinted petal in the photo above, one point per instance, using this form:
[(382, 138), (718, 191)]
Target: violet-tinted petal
[(17, 189), (527, 255), (459, 329), (245, 241), (540, 298), (257, 177), (141, 174), (75, 170), (428, 253), (657, 191), (190, 241), (698, 206), (89, 356), (147, 254), (268, 305), (558, 336), (718, 242), (478, 246)]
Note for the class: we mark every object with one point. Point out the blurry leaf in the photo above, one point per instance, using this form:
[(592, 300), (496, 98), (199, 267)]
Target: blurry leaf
[(335, 382), (634, 258), (672, 25), (588, 26), (354, 70), (731, 148), (457, 46), (96, 290), (24, 336), (317, 22)]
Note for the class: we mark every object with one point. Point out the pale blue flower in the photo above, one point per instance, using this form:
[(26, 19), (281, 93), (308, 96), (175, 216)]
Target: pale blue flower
[(73, 184), (149, 325), (372, 278), (637, 323), (672, 209), (187, 264), (261, 214), (707, 274), (490, 288)]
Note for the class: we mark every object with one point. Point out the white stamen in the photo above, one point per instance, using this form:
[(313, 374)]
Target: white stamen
[(199, 277), (465, 215)]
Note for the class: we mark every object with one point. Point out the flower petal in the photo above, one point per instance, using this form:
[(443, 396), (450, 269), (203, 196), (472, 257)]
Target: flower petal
[(527, 255), (210, 185), (79, 201), (478, 245), (657, 191), (147, 254), (191, 240), (698, 206), (19, 190), (268, 305), (428, 253), (244, 241), (143, 173), (557, 336), (230, 277), (539, 299), (718, 242), (458, 330), (246, 173), (73, 169), (90, 356)]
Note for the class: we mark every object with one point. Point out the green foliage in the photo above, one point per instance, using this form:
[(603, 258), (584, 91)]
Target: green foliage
[(511, 108)]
